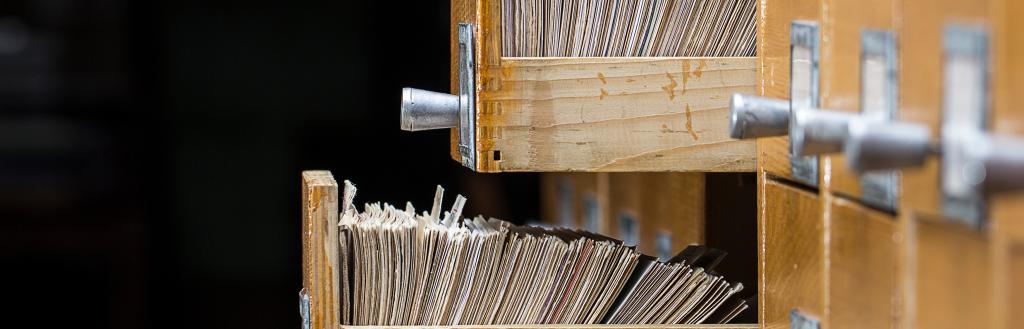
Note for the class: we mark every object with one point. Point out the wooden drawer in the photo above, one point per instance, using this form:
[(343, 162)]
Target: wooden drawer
[(1008, 118), (575, 200), (320, 302), (841, 76), (599, 114), (773, 51), (791, 237), (866, 257), (951, 276), (921, 89)]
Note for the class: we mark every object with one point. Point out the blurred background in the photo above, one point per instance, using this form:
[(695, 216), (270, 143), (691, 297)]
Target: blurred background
[(150, 151)]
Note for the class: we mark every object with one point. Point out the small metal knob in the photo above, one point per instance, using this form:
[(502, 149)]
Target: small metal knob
[(815, 132), (996, 164), (874, 145), (426, 110), (753, 117)]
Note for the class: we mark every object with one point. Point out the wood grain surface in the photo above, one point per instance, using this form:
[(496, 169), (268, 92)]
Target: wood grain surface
[(865, 257), (952, 276), (791, 237), (613, 114), (320, 247), (1008, 119)]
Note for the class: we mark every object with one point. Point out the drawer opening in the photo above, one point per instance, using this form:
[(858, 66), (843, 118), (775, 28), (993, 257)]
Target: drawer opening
[(664, 212), (318, 289)]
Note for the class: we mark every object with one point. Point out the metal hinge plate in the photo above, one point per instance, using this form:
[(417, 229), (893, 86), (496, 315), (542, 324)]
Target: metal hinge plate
[(965, 112), (467, 96), (803, 91), (878, 104)]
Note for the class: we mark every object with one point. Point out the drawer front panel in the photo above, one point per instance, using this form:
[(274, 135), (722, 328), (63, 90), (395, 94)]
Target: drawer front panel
[(865, 268), (776, 16), (952, 276), (791, 236), (921, 89)]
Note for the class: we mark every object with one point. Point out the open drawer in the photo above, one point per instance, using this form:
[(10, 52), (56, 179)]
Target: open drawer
[(586, 113), (319, 298)]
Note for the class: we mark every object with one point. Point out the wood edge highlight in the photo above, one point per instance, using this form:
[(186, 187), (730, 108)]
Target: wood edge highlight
[(320, 247)]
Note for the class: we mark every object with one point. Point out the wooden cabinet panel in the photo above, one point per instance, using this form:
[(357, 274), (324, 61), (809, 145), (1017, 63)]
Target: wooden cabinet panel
[(841, 71), (773, 69), (660, 203), (920, 49), (1015, 292), (952, 276), (865, 253), (575, 200), (791, 237)]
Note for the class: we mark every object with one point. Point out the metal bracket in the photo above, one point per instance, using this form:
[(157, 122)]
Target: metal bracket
[(878, 104), (799, 320), (628, 229), (965, 112), (304, 309), (663, 245), (565, 202), (803, 91), (427, 110), (591, 214), (467, 96)]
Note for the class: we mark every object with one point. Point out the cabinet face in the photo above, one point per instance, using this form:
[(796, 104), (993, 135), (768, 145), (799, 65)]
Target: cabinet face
[(773, 44), (1016, 287), (921, 83), (575, 200), (1008, 119), (952, 277), (791, 237), (662, 212), (865, 268), (841, 72)]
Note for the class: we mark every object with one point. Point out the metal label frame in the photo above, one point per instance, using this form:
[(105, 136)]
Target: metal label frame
[(467, 95), (799, 320), (591, 213), (304, 306), (878, 103), (663, 245), (566, 207), (629, 229), (965, 115), (803, 37)]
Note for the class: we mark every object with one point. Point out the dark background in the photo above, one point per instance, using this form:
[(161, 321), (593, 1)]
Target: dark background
[(150, 151)]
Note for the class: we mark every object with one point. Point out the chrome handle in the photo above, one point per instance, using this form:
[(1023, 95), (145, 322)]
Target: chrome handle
[(426, 110), (754, 117), (872, 145), (993, 163), (819, 131)]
